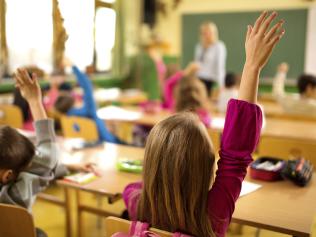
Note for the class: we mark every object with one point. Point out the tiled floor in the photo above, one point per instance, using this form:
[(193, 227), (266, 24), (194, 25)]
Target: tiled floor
[(50, 218)]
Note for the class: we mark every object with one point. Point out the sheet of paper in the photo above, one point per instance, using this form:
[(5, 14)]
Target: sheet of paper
[(117, 113), (248, 187)]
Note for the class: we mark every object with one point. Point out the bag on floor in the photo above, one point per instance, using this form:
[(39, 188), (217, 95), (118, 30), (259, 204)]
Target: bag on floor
[(140, 229)]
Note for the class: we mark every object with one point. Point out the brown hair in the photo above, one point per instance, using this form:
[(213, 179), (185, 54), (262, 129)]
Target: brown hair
[(16, 150), (177, 174), (64, 103), (191, 94)]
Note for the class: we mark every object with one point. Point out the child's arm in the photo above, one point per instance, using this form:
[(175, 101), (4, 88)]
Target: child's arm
[(260, 41), (36, 177), (279, 79), (242, 125), (84, 82)]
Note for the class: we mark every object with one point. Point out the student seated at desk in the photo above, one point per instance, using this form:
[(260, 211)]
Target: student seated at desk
[(175, 193), (25, 170), (191, 95), (302, 104), (65, 105), (230, 91)]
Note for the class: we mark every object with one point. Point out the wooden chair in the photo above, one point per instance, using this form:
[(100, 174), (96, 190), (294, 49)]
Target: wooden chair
[(115, 224), (285, 148), (78, 127), (11, 115), (15, 222)]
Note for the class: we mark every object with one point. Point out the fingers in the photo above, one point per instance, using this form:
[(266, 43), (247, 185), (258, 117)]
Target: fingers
[(273, 30), (277, 38), (259, 21), (23, 77), (249, 30), (266, 23)]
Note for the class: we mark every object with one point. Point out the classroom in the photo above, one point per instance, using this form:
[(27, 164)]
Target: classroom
[(157, 118)]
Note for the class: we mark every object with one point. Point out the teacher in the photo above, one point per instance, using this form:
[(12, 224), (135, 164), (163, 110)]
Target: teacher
[(210, 53)]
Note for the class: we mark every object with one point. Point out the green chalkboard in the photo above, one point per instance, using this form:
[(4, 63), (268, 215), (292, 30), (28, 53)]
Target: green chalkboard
[(232, 28)]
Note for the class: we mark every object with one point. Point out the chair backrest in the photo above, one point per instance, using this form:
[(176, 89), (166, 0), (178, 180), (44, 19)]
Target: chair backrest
[(11, 115), (16, 222), (78, 127), (115, 224), (284, 148)]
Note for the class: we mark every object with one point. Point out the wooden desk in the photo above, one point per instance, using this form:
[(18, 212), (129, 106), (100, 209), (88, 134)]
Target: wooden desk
[(279, 206), (275, 127), (275, 110)]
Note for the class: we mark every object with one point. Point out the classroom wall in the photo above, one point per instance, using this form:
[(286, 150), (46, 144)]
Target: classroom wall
[(310, 65), (172, 23)]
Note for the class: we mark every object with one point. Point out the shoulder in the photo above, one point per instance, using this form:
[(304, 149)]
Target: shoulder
[(220, 46)]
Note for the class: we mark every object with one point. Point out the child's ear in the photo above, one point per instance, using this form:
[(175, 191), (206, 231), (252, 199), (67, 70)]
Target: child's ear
[(7, 176)]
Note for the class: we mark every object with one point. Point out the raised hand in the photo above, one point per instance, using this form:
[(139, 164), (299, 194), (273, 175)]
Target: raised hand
[(259, 44), (260, 40), (31, 91), (29, 87)]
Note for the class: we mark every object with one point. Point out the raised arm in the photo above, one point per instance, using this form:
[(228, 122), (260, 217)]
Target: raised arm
[(260, 41), (242, 125), (40, 172)]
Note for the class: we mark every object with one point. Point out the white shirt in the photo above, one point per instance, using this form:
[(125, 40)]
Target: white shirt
[(224, 96), (212, 62)]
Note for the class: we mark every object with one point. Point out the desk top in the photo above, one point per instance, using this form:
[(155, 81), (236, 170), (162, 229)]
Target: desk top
[(274, 127), (279, 206), (112, 182)]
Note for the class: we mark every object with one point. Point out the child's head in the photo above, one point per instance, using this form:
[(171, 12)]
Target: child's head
[(307, 86), (64, 103), (177, 174), (16, 153), (230, 80), (191, 94)]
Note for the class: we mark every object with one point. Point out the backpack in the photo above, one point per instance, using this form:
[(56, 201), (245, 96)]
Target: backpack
[(140, 229)]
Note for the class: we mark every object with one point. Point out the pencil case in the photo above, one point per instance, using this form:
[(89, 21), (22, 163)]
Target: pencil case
[(299, 171), (131, 166), (267, 169)]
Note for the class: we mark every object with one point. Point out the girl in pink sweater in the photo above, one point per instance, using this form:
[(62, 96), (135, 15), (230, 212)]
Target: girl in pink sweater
[(179, 191)]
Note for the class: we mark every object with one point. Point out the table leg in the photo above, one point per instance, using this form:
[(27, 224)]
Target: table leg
[(68, 212), (79, 213)]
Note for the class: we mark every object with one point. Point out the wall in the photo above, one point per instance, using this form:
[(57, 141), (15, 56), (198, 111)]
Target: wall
[(172, 23)]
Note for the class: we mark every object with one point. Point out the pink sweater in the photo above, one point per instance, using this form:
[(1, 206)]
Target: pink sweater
[(169, 102), (240, 137)]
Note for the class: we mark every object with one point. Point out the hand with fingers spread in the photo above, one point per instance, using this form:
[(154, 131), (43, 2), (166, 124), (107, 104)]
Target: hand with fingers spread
[(261, 40), (259, 44), (29, 87), (31, 91)]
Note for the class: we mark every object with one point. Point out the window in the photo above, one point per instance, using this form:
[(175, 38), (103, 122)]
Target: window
[(79, 24), (29, 32), (104, 37)]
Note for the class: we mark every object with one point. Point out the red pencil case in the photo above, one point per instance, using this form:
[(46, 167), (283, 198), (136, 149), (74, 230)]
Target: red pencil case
[(267, 169)]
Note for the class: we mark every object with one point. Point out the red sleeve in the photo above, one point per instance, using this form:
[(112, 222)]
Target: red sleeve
[(131, 195), (240, 137), (169, 87)]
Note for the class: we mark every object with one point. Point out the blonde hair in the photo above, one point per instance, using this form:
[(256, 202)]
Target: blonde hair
[(178, 172), (213, 28), (191, 94)]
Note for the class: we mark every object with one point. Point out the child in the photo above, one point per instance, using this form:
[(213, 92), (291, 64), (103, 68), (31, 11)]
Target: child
[(279, 79), (192, 95), (229, 92), (305, 102), (65, 104), (175, 194), (24, 169)]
